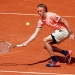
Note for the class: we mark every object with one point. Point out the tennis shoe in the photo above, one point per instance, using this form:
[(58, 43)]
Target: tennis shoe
[(53, 64), (68, 57)]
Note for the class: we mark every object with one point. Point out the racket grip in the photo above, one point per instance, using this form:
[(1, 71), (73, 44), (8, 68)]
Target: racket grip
[(18, 45)]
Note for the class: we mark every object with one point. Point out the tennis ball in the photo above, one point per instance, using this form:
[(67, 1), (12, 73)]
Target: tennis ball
[(27, 23)]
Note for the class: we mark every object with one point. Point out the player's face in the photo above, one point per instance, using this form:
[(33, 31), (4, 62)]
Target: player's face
[(41, 11)]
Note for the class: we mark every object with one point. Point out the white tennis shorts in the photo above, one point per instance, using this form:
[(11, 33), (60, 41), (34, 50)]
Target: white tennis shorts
[(60, 35)]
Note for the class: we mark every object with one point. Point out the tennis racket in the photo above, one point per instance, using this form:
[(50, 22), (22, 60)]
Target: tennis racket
[(6, 47)]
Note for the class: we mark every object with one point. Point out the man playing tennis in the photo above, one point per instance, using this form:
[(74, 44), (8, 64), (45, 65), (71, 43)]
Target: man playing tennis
[(62, 32)]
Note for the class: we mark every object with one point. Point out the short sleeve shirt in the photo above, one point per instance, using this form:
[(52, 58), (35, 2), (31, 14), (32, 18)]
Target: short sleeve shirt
[(52, 20)]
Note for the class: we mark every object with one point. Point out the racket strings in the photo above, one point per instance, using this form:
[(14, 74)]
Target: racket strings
[(4, 47)]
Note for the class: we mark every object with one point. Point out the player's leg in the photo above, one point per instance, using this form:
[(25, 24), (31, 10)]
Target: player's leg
[(59, 36), (64, 52), (56, 49), (48, 44)]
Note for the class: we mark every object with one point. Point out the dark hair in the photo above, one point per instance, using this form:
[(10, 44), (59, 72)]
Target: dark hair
[(44, 6)]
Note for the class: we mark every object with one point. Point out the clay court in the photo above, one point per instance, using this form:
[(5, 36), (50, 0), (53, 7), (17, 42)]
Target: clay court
[(32, 59)]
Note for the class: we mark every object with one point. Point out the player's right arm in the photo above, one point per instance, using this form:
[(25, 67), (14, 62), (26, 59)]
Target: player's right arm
[(33, 36)]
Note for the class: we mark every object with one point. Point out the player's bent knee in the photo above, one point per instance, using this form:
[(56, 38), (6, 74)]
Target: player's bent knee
[(44, 40)]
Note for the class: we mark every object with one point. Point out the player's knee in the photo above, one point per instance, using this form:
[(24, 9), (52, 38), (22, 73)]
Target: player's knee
[(44, 40)]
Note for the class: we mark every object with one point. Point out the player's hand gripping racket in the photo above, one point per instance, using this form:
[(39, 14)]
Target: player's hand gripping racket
[(6, 47)]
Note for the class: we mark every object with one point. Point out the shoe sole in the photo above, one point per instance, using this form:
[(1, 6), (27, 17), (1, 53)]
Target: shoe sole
[(49, 65), (53, 66)]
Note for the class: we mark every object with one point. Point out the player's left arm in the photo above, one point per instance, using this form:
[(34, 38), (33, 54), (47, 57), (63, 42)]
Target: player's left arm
[(66, 24), (72, 36)]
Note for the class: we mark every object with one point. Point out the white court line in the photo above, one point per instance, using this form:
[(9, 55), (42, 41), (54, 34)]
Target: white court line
[(40, 73), (19, 14), (28, 14)]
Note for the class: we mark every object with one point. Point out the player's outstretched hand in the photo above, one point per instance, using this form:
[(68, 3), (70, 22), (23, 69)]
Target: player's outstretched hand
[(24, 44), (18, 45)]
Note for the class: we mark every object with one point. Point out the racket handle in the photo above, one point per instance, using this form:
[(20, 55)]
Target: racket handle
[(18, 45)]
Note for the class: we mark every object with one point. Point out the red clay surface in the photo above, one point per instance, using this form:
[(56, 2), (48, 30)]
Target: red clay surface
[(32, 58)]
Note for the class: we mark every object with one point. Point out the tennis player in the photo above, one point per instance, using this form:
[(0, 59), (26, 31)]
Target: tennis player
[(62, 32)]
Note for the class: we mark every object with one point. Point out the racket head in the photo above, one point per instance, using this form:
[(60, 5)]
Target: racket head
[(4, 47)]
